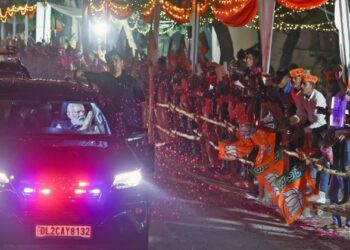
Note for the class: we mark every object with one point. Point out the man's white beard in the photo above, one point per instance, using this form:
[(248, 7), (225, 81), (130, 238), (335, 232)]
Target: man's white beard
[(79, 121)]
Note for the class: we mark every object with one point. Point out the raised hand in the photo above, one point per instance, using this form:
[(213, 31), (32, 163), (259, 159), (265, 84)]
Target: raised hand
[(87, 121)]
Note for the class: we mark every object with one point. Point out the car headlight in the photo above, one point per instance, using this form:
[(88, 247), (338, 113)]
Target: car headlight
[(127, 180), (4, 179)]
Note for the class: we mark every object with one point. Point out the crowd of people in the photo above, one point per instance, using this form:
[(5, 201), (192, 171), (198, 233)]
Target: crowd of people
[(248, 98), (240, 94)]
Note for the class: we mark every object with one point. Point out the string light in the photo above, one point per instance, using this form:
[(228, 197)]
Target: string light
[(288, 5), (222, 10), (280, 13), (178, 14), (148, 8), (10, 11), (135, 23), (95, 9), (226, 8)]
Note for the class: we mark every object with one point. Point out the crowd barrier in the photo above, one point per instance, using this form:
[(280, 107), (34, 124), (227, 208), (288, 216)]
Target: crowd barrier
[(301, 155)]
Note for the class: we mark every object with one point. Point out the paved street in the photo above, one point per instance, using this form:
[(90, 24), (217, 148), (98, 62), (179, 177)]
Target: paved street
[(197, 213)]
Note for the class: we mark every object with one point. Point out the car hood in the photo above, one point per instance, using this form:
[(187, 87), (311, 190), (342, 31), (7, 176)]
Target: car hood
[(36, 158)]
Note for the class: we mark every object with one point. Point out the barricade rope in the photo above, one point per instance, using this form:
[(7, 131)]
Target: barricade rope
[(302, 156), (230, 127)]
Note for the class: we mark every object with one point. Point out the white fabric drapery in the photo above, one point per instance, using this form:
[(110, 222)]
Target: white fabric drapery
[(266, 16), (69, 11)]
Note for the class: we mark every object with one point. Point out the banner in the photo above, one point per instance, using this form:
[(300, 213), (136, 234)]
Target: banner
[(264, 139), (230, 151), (292, 199), (267, 174)]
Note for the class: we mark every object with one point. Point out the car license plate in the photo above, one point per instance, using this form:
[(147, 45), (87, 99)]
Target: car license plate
[(62, 231)]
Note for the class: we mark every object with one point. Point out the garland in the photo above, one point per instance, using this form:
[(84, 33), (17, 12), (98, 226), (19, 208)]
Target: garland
[(10, 11)]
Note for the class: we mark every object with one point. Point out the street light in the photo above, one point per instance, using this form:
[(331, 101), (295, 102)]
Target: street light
[(100, 28)]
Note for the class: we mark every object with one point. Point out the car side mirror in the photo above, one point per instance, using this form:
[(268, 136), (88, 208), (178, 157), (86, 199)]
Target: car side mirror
[(144, 151)]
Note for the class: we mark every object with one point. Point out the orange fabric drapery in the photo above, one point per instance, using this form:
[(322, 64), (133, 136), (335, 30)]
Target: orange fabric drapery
[(178, 14), (120, 11), (147, 13), (242, 12), (301, 4)]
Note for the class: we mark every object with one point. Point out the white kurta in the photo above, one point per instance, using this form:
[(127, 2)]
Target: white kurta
[(307, 110)]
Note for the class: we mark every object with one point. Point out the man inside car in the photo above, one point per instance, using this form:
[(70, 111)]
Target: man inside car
[(79, 121)]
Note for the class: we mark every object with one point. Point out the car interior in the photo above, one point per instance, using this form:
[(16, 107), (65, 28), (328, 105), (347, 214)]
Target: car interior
[(34, 116)]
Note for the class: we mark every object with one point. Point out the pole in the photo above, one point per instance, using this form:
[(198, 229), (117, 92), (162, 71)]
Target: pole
[(14, 24), (2, 32), (44, 26), (151, 102), (106, 23), (156, 22), (26, 29), (195, 34)]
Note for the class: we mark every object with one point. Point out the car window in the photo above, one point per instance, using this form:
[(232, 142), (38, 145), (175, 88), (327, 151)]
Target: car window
[(66, 117)]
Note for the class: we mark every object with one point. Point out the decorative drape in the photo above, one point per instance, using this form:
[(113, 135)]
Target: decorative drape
[(178, 14), (147, 13), (72, 12), (120, 10), (230, 12), (240, 16), (301, 4)]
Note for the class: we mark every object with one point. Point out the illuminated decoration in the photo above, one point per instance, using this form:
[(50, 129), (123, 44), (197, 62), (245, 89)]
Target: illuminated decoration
[(147, 11), (227, 9), (235, 13), (120, 10), (178, 14), (182, 14), (284, 26), (301, 4), (10, 11), (135, 23)]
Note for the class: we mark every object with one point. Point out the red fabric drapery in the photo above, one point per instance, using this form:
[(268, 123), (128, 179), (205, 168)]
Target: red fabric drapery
[(244, 12), (120, 11), (301, 4), (243, 17), (178, 14)]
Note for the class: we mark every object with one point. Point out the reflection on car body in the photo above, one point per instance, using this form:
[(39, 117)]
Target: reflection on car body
[(11, 66), (59, 182)]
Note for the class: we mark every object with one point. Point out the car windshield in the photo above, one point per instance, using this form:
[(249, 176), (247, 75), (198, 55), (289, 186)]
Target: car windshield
[(51, 117)]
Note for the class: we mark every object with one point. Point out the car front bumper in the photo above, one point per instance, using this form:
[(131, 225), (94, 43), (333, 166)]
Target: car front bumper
[(111, 216)]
